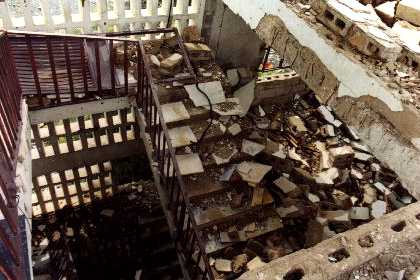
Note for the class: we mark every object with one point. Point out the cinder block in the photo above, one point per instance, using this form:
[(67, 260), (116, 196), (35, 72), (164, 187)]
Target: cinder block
[(373, 41), (334, 15), (409, 10)]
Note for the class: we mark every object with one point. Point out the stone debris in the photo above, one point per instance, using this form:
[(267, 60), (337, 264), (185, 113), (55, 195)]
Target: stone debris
[(172, 61)]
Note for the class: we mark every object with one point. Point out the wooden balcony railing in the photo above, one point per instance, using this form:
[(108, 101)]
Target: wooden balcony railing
[(10, 124), (55, 69)]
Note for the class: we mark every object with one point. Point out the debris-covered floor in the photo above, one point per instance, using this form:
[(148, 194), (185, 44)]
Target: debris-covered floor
[(269, 176), (120, 237)]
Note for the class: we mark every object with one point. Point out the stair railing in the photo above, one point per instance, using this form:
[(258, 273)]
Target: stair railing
[(189, 241)]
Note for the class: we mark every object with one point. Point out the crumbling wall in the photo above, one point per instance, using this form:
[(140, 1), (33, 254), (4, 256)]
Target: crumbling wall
[(338, 79), (229, 35)]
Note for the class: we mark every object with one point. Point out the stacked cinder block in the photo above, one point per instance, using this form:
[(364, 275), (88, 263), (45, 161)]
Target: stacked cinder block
[(361, 27)]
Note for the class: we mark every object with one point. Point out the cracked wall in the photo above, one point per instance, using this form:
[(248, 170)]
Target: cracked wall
[(389, 127)]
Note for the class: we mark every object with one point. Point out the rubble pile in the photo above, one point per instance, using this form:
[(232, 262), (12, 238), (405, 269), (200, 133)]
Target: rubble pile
[(112, 238), (388, 43), (266, 176), (309, 167)]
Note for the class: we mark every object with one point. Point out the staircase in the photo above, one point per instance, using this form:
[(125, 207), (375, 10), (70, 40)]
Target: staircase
[(207, 209)]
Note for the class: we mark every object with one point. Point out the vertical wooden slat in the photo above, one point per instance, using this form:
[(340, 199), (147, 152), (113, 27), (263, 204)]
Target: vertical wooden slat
[(82, 131), (123, 116), (90, 183), (52, 192), (126, 67), (78, 186), (68, 66), (53, 72), (83, 63), (38, 141), (98, 68), (102, 173), (110, 126), (34, 68), (69, 138), (112, 64), (53, 138), (65, 187), (96, 131)]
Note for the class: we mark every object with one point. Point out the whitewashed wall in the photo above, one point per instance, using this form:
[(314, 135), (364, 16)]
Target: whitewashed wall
[(70, 16)]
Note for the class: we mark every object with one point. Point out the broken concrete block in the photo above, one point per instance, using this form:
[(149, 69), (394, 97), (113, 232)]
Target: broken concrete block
[(233, 77), (287, 187), (312, 197), (386, 11), (314, 234), (253, 172), (246, 95), (369, 194), (255, 263), (378, 209), (336, 216), (239, 263), (213, 90), (293, 155), (234, 129), (395, 275), (362, 156), (341, 157), (375, 42), (296, 123), (360, 147), (327, 177), (251, 148), (341, 199), (326, 114), (327, 130), (287, 212), (359, 213), (172, 61), (155, 60), (223, 265), (409, 10), (381, 188)]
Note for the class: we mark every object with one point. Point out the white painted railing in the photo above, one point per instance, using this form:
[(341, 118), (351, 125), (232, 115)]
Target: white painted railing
[(91, 16)]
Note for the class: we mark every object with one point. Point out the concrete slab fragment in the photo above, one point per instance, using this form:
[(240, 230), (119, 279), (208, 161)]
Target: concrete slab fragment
[(182, 136), (214, 91), (173, 112), (246, 96), (253, 172)]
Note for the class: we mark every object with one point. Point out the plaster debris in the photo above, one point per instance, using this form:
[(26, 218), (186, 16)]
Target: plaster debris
[(246, 96), (234, 129)]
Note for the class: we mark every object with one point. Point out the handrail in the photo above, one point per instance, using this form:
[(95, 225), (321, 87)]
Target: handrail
[(57, 69), (172, 156), (10, 125)]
